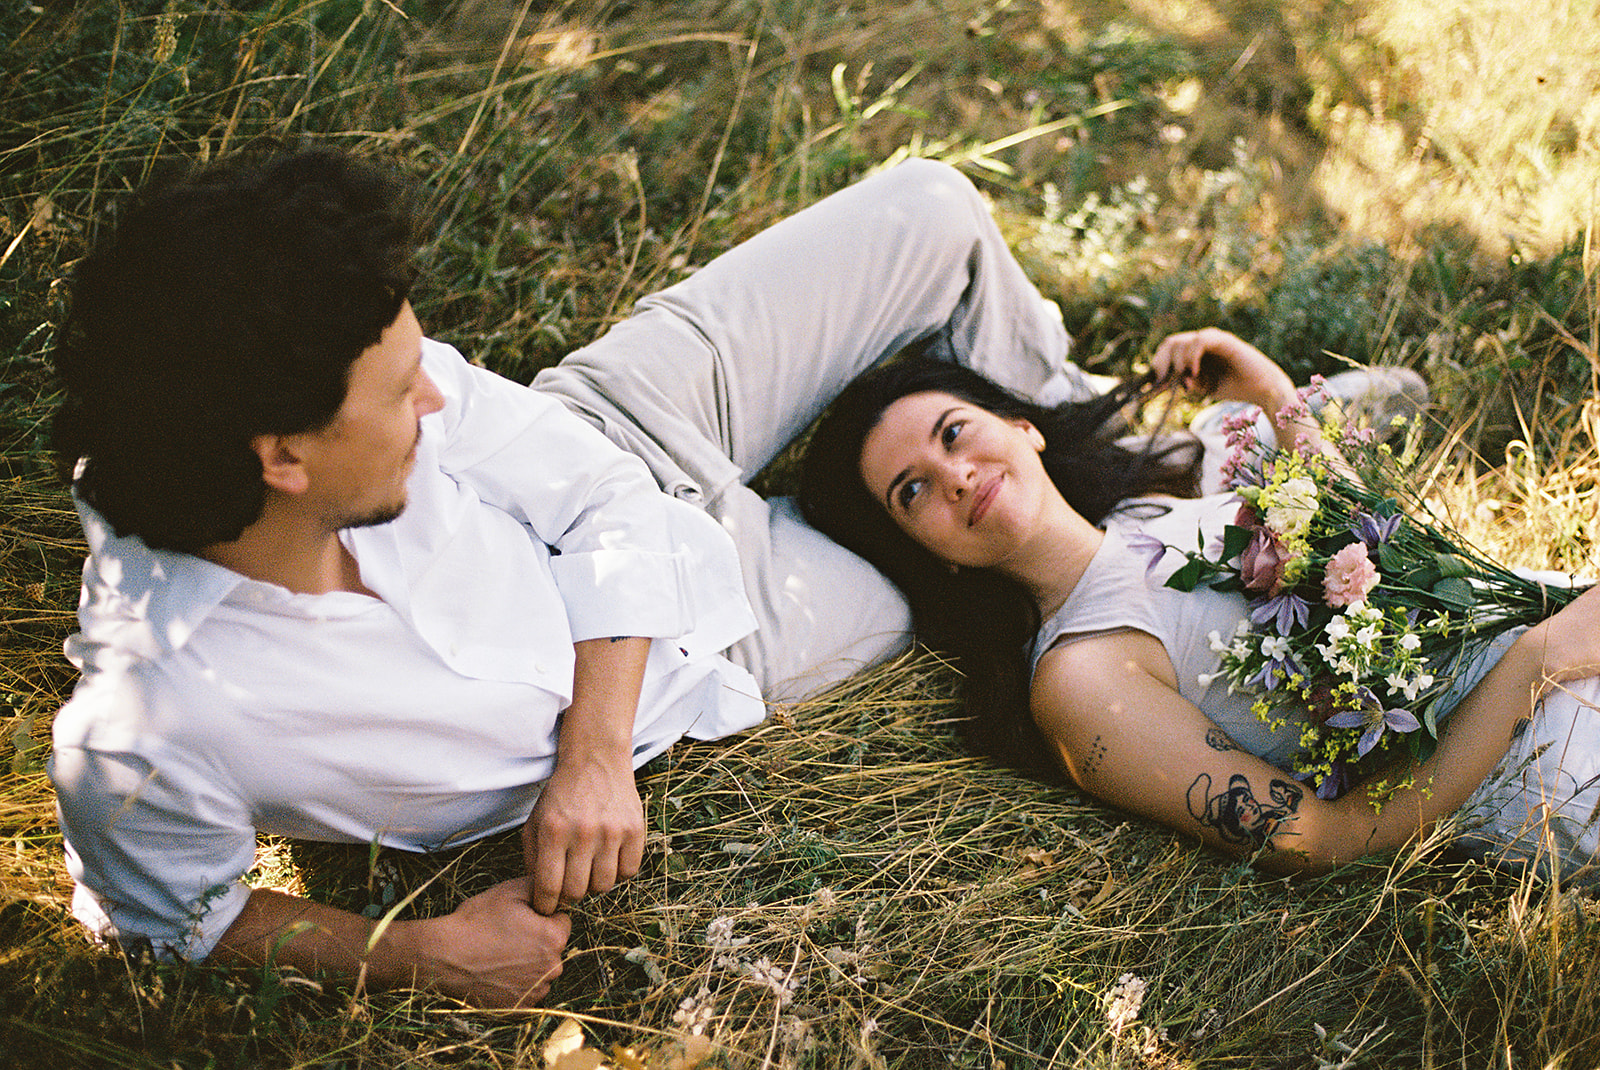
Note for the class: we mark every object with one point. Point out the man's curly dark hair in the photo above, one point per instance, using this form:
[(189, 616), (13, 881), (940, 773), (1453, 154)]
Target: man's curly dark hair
[(227, 304)]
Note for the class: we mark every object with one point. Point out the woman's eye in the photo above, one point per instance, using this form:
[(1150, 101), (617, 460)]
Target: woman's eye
[(952, 431), (908, 491)]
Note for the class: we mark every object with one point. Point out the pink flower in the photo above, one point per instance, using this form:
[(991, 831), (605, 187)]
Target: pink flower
[(1350, 576), (1261, 564)]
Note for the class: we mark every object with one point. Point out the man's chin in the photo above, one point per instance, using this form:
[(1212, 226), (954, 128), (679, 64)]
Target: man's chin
[(383, 514)]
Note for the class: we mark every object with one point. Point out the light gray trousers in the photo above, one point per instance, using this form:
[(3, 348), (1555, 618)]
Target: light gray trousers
[(710, 379)]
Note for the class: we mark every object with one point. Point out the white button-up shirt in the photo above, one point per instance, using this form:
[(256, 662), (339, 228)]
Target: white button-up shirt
[(212, 706)]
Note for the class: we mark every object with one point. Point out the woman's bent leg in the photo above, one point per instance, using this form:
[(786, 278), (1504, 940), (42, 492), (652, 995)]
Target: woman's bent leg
[(1540, 807)]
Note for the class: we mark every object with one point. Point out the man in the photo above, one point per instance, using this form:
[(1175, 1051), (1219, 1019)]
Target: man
[(354, 588), (343, 585)]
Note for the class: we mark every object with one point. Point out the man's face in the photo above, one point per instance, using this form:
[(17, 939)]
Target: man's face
[(359, 462)]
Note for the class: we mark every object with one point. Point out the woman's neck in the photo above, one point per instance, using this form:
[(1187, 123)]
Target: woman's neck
[(1055, 560)]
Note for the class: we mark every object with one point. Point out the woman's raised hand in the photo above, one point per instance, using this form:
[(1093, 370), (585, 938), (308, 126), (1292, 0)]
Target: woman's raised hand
[(1224, 366), (1218, 364)]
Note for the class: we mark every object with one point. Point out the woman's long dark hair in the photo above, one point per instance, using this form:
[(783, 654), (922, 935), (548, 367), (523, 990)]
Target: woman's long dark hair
[(984, 620)]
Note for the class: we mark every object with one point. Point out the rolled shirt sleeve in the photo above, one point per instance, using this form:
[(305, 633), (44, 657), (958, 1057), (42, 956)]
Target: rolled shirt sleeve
[(153, 856)]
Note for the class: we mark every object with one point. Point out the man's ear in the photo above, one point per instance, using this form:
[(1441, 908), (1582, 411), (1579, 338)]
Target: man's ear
[(282, 467)]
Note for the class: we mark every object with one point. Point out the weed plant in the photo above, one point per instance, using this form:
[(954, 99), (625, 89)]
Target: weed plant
[(841, 887)]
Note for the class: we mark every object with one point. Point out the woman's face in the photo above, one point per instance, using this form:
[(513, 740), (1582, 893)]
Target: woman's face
[(963, 482)]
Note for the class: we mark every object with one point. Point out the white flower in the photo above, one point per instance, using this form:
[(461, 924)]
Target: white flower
[(1338, 628), (1275, 646), (1409, 641), (719, 935), (1294, 503), (1369, 635), (1122, 1003), (1217, 645), (1417, 685), (694, 1013)]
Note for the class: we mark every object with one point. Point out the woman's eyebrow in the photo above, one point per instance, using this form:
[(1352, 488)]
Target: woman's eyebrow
[(938, 426)]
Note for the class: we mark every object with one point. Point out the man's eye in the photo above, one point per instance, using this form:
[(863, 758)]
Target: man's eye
[(909, 490)]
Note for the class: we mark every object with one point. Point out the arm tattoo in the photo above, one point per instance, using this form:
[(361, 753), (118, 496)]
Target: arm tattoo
[(1236, 815), (1217, 739), (1096, 755)]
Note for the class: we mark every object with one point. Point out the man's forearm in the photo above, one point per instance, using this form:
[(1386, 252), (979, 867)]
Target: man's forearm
[(607, 677), (587, 830), (318, 940), (492, 951)]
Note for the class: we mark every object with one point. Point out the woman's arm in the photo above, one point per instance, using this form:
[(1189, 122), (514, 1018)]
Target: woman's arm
[(1110, 706), (1226, 367)]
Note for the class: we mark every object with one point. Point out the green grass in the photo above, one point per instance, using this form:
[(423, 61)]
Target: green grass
[(1372, 180)]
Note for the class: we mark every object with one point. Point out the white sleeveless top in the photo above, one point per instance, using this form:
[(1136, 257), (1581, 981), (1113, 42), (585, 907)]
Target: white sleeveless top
[(1540, 806), (1123, 587)]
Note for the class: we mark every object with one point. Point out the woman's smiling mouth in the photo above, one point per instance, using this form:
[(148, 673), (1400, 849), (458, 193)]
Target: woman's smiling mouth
[(984, 498)]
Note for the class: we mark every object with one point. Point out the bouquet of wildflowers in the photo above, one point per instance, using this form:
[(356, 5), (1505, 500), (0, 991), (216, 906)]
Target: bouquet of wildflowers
[(1361, 617)]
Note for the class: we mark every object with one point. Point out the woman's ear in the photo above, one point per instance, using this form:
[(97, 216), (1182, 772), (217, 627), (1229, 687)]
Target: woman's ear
[(283, 468), (1035, 436)]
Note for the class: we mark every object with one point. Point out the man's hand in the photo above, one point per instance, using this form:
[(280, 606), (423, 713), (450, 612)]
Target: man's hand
[(492, 950), (586, 832)]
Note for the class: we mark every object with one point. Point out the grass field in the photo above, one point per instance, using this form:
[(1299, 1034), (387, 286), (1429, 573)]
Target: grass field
[(1382, 181)]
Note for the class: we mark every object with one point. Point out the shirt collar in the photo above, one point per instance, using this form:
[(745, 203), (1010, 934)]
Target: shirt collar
[(141, 601)]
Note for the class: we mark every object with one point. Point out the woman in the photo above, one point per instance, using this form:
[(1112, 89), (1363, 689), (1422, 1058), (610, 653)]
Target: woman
[(1008, 529)]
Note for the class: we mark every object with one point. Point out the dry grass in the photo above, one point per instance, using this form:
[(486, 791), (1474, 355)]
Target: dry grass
[(841, 887)]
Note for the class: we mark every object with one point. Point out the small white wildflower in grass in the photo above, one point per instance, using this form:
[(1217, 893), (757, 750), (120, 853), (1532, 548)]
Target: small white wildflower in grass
[(1123, 1001), (694, 1013), (762, 972), (719, 935)]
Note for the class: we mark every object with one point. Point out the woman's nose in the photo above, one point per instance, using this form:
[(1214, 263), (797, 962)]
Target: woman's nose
[(956, 478)]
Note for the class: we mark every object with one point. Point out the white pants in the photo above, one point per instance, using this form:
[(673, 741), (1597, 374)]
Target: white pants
[(710, 379)]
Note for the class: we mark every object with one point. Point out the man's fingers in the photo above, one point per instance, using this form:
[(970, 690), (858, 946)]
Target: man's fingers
[(601, 869), (549, 878), (631, 857)]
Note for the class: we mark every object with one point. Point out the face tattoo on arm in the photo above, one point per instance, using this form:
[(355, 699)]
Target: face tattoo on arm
[(1237, 816)]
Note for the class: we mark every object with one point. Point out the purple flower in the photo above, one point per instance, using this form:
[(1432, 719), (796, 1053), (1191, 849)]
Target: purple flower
[(1287, 611), (1274, 671), (1331, 786), (1376, 721), (1375, 530), (1262, 563), (1143, 543), (1334, 784)]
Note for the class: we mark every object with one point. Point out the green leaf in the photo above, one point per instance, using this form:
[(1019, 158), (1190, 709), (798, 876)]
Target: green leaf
[(1234, 540), (1455, 593), (1391, 559), (1422, 745), (1451, 566), (1188, 576)]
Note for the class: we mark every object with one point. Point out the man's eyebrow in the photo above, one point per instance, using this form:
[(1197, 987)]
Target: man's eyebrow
[(938, 426), (411, 373)]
